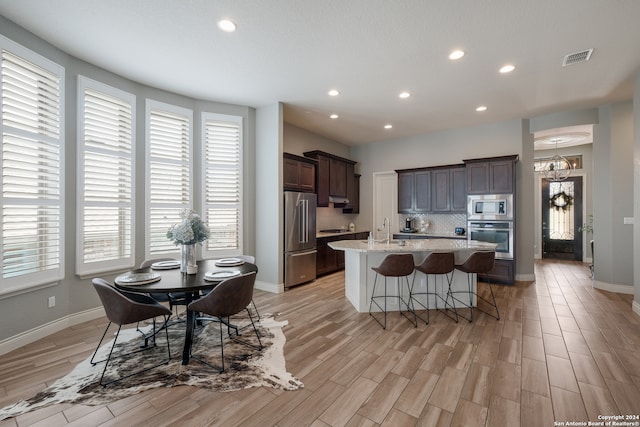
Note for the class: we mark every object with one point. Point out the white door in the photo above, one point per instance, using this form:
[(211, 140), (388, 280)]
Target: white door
[(385, 203)]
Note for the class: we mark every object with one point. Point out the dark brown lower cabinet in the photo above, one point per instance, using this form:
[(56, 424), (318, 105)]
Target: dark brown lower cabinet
[(503, 272), (329, 260)]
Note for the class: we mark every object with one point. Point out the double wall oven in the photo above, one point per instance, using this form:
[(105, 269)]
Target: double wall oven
[(490, 219)]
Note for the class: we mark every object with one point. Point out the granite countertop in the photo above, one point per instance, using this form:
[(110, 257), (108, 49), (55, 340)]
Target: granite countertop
[(333, 233), (433, 235), (418, 245)]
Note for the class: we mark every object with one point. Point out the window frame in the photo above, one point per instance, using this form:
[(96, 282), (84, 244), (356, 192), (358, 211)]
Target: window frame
[(28, 281), (239, 121), (83, 268), (150, 106)]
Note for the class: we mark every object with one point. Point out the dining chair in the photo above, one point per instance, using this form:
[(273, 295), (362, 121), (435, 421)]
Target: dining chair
[(229, 297), (123, 308), (175, 298)]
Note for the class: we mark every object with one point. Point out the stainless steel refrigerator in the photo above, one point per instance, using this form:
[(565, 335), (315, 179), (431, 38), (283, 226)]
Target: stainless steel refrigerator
[(299, 238)]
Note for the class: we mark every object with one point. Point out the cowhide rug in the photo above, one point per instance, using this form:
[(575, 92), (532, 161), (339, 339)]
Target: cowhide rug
[(244, 367)]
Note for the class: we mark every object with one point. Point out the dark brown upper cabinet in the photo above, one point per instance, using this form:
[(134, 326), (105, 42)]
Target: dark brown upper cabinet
[(495, 175), (414, 190), (298, 173), (440, 189), (353, 191), (332, 177)]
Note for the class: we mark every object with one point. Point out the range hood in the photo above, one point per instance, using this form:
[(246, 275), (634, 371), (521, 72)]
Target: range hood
[(338, 200)]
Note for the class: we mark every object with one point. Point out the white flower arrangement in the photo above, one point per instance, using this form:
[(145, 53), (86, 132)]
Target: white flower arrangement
[(190, 230)]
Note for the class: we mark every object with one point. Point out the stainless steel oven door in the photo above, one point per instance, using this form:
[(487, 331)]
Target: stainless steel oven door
[(500, 232)]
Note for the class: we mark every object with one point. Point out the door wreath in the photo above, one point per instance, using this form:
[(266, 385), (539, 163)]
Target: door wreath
[(561, 200)]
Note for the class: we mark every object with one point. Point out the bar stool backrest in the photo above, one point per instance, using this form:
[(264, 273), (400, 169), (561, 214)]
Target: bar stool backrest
[(437, 263), (478, 262), (395, 265)]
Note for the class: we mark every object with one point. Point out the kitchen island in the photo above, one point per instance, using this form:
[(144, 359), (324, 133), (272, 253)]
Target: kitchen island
[(360, 256)]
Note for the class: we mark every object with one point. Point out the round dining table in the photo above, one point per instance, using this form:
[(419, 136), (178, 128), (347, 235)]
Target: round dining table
[(191, 285)]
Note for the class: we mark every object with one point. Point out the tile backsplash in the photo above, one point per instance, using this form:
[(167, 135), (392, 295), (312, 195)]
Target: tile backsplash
[(435, 223), (327, 218)]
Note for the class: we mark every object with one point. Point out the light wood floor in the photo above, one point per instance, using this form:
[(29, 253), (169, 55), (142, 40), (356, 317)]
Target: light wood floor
[(562, 351)]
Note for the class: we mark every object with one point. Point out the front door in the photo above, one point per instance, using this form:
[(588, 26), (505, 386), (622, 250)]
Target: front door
[(561, 217)]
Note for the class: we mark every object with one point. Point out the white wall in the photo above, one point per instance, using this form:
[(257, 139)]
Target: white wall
[(636, 194), (613, 198), (297, 141), (269, 199)]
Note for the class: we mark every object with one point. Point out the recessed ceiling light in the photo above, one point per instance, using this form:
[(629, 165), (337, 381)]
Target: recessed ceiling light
[(481, 108), (334, 116), (456, 54), (404, 95), (388, 126), (334, 92), (227, 25), (507, 68)]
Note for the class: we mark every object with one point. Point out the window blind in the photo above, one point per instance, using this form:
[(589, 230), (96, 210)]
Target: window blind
[(169, 172), (105, 194), (32, 168), (222, 166)]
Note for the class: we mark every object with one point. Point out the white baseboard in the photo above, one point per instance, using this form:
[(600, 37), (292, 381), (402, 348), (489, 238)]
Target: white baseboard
[(613, 287), (525, 277), (269, 287), (27, 337), (635, 306)]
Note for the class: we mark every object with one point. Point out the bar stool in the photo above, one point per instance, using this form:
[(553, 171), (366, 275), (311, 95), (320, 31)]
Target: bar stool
[(434, 265), (394, 265), (478, 262)]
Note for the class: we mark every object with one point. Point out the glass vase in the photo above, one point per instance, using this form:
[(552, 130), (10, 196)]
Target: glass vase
[(188, 259)]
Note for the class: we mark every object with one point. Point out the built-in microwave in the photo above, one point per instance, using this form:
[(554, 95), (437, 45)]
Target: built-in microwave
[(490, 207)]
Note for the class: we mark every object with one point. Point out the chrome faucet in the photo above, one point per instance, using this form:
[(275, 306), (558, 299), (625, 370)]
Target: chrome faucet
[(387, 224)]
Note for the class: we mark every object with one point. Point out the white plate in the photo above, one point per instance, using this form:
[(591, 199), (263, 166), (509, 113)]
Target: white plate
[(221, 274), (137, 278), (229, 262), (165, 265)]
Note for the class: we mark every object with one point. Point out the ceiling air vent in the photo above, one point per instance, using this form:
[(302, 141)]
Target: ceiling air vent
[(577, 57)]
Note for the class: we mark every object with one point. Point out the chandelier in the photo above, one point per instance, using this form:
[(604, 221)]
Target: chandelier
[(557, 168)]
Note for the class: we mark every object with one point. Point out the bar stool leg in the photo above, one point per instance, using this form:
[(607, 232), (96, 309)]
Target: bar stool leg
[(406, 303)]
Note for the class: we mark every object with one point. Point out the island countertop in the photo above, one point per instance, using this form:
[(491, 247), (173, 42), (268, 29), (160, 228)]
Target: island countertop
[(361, 257), (461, 248)]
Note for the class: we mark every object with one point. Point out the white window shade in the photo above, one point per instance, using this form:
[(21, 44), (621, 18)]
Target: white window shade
[(222, 183), (106, 120), (169, 173), (32, 184)]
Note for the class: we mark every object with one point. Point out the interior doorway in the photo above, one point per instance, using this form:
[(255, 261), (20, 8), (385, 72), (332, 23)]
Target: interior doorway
[(385, 202), (561, 218)]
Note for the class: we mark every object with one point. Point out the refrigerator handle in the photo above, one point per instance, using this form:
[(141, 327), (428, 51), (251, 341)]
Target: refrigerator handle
[(301, 221), (305, 238)]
